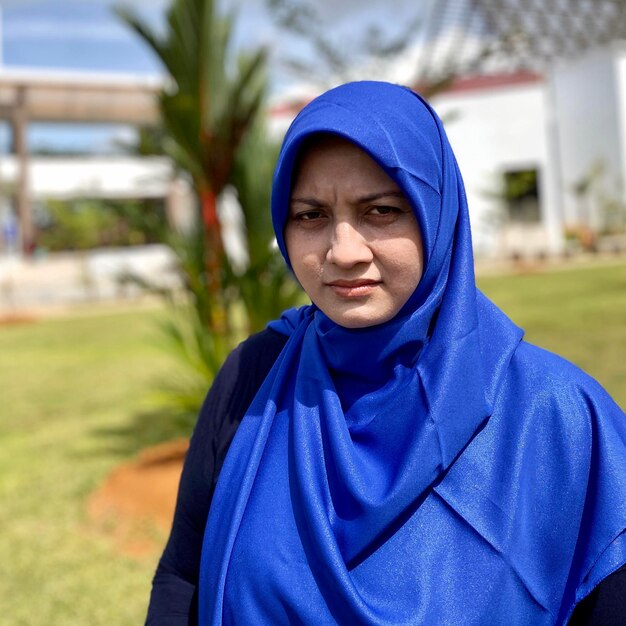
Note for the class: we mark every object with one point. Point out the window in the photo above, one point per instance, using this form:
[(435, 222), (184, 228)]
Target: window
[(521, 196)]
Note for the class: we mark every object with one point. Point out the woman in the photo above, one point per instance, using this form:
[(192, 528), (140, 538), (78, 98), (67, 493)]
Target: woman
[(401, 455)]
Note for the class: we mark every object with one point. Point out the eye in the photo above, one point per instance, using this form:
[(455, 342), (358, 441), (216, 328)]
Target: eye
[(385, 210), (307, 216)]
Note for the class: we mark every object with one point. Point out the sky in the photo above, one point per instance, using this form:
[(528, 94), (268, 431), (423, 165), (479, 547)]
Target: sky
[(74, 35), (86, 36)]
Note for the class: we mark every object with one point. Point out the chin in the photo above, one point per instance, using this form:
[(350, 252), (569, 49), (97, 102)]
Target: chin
[(356, 320)]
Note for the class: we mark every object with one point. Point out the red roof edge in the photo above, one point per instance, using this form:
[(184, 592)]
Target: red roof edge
[(462, 84), (486, 81), (292, 107)]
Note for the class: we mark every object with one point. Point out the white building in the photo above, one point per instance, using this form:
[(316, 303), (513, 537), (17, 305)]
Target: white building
[(568, 126)]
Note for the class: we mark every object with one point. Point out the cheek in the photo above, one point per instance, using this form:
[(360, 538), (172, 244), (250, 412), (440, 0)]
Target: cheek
[(307, 268), (404, 265), (290, 244), (304, 253), (303, 264)]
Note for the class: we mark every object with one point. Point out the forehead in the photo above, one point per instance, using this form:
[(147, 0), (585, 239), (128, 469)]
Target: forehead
[(324, 144), (326, 158)]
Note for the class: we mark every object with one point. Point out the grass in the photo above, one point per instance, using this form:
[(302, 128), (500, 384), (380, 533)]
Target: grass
[(73, 396), (579, 314), (73, 405)]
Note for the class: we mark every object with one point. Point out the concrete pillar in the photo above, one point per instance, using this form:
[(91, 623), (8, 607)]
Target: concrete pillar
[(180, 205), (19, 126), (551, 183)]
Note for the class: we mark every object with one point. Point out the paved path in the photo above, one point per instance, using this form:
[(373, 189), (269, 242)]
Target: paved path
[(67, 279)]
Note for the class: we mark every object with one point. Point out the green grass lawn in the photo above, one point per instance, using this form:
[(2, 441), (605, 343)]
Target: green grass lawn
[(73, 404), (579, 314), (73, 393)]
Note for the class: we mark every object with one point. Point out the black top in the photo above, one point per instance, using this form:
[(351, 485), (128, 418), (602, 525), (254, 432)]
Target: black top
[(173, 601)]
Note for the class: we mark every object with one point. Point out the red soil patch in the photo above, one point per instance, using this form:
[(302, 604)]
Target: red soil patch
[(15, 319), (135, 504)]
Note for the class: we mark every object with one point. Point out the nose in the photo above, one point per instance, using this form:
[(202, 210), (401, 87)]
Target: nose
[(348, 247)]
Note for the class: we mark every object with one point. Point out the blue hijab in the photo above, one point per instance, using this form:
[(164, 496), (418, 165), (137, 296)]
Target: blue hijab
[(381, 475)]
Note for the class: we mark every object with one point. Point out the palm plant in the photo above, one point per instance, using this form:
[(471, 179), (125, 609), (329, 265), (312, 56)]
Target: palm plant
[(266, 287), (211, 102)]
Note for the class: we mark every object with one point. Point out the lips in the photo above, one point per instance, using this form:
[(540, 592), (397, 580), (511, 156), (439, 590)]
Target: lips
[(353, 283), (353, 288)]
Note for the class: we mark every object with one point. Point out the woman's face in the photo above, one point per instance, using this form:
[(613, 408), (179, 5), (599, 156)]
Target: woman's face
[(352, 238)]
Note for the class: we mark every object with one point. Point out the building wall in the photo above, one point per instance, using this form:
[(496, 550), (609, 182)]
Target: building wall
[(620, 77), (493, 131), (92, 177), (588, 94)]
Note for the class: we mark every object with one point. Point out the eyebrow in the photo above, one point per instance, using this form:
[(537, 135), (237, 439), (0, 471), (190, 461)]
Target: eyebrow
[(383, 194), (314, 202)]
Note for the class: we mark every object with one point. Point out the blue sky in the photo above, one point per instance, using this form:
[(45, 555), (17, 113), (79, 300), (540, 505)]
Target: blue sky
[(85, 35), (74, 34)]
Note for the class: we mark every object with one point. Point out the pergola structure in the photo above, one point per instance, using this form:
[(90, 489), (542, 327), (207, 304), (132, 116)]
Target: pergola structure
[(482, 36), (27, 96)]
